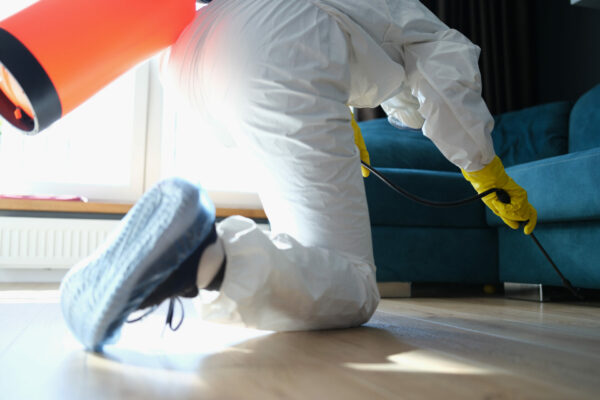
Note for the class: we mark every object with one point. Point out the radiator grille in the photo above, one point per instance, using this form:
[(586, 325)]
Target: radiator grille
[(49, 242)]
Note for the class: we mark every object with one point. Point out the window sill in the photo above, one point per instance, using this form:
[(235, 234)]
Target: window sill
[(102, 208)]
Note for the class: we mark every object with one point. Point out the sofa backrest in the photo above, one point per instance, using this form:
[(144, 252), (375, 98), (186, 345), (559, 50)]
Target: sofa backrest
[(584, 125), (532, 133)]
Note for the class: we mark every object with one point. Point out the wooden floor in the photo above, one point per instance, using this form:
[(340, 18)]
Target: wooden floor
[(472, 348)]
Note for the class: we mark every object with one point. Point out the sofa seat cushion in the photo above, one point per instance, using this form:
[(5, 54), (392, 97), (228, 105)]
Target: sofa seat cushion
[(390, 147), (563, 188), (532, 133), (388, 208)]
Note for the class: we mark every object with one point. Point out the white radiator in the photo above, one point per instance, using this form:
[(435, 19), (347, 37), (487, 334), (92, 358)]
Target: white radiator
[(49, 242)]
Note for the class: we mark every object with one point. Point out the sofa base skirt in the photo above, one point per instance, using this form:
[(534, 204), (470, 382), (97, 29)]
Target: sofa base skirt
[(574, 247), (436, 255)]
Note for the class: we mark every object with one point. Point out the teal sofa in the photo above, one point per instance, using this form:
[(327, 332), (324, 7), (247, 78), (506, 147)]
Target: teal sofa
[(552, 150)]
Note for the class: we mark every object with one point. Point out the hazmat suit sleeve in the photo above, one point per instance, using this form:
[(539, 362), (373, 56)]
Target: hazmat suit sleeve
[(404, 107), (443, 74)]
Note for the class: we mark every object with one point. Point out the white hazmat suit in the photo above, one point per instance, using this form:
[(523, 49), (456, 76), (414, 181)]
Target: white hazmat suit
[(277, 76)]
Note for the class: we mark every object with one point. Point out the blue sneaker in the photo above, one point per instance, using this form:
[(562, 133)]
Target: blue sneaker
[(151, 257)]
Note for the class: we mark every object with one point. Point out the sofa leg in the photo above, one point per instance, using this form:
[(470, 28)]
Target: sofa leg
[(535, 292), (394, 290), (524, 291)]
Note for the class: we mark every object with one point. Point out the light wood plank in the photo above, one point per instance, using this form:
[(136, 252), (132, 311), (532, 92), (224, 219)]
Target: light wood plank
[(550, 331), (508, 351), (560, 314), (412, 348)]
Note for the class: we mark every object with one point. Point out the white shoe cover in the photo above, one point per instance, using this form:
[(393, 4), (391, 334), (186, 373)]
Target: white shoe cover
[(165, 226)]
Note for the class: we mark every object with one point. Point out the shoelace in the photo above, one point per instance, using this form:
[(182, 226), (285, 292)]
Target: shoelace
[(170, 314)]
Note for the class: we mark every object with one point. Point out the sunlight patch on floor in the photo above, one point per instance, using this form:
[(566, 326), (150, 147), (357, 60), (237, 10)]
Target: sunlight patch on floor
[(150, 344), (422, 361), (143, 373), (201, 336)]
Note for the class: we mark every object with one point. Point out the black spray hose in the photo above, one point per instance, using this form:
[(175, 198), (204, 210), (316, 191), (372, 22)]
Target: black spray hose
[(503, 196), (566, 283)]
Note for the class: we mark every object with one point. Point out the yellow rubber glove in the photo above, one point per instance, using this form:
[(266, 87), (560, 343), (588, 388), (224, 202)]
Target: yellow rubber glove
[(362, 148), (519, 210)]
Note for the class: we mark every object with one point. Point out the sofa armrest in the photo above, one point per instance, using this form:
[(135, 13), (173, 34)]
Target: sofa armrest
[(562, 188)]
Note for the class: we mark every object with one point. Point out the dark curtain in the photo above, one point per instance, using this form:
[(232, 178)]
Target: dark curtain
[(504, 31)]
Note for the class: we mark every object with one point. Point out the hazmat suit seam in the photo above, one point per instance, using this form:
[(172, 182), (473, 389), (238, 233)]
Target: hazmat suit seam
[(341, 88), (443, 97), (389, 26)]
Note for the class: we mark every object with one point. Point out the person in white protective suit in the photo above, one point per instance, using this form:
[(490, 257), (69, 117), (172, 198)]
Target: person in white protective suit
[(278, 77)]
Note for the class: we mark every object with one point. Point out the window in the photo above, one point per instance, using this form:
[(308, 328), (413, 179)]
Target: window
[(186, 149), (197, 155), (96, 151), (118, 143), (8, 8)]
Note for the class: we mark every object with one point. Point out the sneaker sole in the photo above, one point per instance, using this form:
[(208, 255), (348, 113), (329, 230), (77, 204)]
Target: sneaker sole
[(164, 227)]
